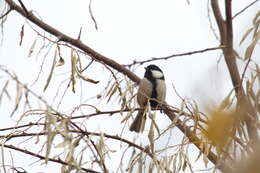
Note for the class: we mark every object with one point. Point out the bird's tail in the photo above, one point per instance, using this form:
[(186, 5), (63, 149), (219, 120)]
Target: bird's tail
[(139, 122)]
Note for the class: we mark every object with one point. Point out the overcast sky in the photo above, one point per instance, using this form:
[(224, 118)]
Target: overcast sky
[(128, 30)]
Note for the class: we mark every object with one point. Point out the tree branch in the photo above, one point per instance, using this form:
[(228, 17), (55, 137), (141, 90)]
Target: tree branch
[(6, 13), (244, 9), (174, 55), (219, 19), (42, 157), (114, 137)]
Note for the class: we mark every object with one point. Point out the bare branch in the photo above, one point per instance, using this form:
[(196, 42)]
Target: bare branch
[(219, 19), (244, 9), (23, 6), (43, 158), (91, 14), (114, 137), (6, 13), (174, 55)]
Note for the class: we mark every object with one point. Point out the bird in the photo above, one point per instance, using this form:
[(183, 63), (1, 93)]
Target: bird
[(152, 90)]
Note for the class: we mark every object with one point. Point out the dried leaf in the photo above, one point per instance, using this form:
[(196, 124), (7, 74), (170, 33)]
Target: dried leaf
[(256, 17), (37, 139), (51, 72), (184, 166), (76, 142), (18, 97), (226, 103), (251, 47), (151, 137), (101, 146), (21, 35), (256, 28), (4, 91), (200, 154), (205, 160), (180, 163), (32, 48), (152, 117), (85, 78), (91, 14), (174, 163), (140, 165), (61, 144), (246, 35), (50, 119), (112, 91), (61, 62), (257, 72), (73, 70)]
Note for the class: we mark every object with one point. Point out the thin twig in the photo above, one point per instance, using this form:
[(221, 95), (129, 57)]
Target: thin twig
[(91, 14), (6, 13), (174, 55), (244, 72), (244, 9)]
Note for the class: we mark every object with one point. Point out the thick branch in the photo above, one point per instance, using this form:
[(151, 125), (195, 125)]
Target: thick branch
[(229, 53), (219, 19)]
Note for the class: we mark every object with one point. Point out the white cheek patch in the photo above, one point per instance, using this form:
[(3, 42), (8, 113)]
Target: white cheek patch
[(157, 74)]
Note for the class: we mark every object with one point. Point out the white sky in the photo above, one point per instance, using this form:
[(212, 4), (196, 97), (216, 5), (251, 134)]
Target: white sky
[(128, 30)]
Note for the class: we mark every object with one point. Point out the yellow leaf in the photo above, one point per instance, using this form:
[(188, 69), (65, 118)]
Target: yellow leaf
[(219, 128)]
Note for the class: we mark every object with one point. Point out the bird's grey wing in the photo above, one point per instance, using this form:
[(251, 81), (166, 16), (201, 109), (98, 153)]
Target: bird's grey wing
[(144, 92)]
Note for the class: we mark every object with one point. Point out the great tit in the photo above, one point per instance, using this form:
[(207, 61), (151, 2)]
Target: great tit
[(152, 89)]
